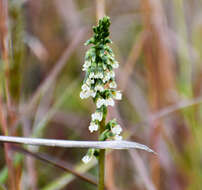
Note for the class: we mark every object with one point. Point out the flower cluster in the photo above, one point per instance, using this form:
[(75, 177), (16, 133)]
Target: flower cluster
[(99, 82)]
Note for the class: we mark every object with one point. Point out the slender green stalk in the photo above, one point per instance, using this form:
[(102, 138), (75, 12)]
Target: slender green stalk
[(101, 169), (101, 160)]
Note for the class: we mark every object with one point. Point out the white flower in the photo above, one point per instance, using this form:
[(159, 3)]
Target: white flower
[(99, 88), (97, 116), (115, 65), (117, 130), (86, 159), (93, 127), (117, 137), (86, 65), (84, 94), (100, 102), (87, 93), (112, 84), (85, 87), (118, 95), (106, 77), (89, 81), (109, 102), (111, 74), (92, 93), (92, 75), (98, 75)]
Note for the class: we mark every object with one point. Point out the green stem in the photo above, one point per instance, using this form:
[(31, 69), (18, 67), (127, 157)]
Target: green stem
[(101, 160), (101, 169)]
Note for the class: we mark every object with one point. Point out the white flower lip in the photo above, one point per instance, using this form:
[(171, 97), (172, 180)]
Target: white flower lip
[(112, 84), (106, 77), (97, 116), (98, 75), (117, 130), (91, 75), (86, 159), (109, 102), (118, 95), (86, 65), (84, 94), (115, 65), (111, 74), (100, 102), (89, 81), (99, 88), (93, 127), (85, 87), (93, 94)]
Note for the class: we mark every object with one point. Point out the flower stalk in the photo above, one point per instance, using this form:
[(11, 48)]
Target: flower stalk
[(99, 83), (101, 159)]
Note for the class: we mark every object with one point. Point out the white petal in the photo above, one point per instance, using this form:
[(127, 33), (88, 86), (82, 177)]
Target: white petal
[(112, 74), (85, 87), (93, 127), (89, 81), (100, 102), (92, 75), (83, 95), (112, 84), (99, 88), (97, 116), (117, 129), (115, 65), (109, 102), (118, 95), (106, 77), (92, 93), (86, 159)]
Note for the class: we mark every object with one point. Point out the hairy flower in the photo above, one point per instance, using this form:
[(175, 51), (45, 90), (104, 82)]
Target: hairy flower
[(90, 81), (109, 102), (86, 65), (111, 74), (86, 159), (93, 127), (117, 95), (106, 77), (99, 88), (117, 130), (112, 84), (92, 75), (98, 75), (97, 116), (100, 102), (84, 94), (85, 87), (115, 65)]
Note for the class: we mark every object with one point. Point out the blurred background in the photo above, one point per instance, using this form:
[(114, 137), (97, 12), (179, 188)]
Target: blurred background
[(159, 47)]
